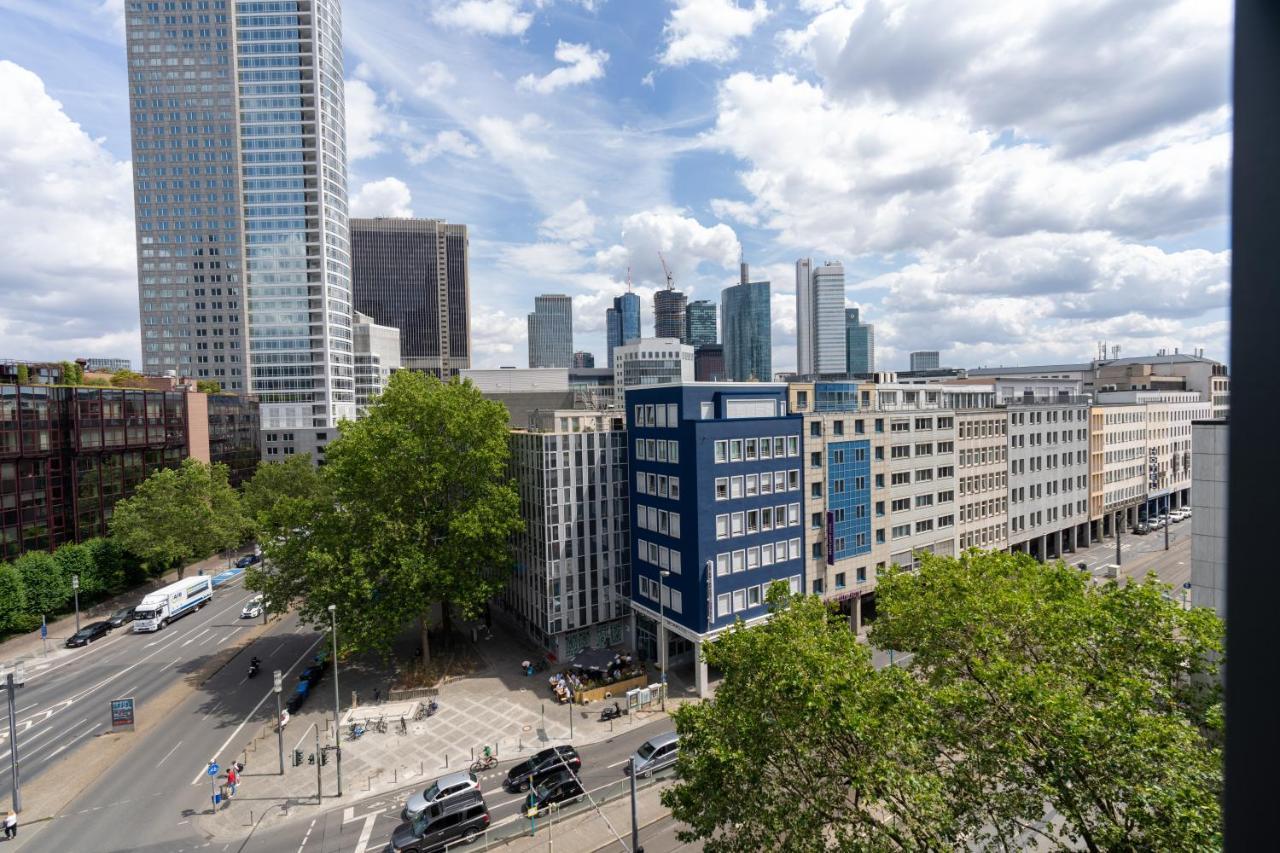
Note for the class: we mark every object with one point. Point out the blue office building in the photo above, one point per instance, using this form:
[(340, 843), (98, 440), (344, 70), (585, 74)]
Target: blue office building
[(747, 335), (622, 322), (716, 507)]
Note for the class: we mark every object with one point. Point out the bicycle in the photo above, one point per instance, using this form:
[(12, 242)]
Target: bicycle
[(484, 762), (381, 725)]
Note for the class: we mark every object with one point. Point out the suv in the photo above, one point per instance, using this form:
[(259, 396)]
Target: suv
[(444, 788), (552, 789), (655, 754), (526, 773), (460, 819)]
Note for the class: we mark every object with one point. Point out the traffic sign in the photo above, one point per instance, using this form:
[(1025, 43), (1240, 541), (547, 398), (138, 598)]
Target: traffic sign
[(213, 768), (44, 629), (1187, 585)]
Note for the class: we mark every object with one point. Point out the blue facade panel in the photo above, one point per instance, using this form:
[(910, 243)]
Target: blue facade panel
[(849, 497), (699, 544)]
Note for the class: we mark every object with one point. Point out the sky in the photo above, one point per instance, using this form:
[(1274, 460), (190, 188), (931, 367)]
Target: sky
[(1006, 182)]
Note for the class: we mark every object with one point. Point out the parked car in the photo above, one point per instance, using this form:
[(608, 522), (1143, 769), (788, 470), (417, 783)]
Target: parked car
[(443, 789), (655, 754), (520, 777), (89, 633), (298, 696), (252, 608), (123, 616), (553, 788), (247, 560), (1142, 528), (462, 818), (1179, 515), (312, 674)]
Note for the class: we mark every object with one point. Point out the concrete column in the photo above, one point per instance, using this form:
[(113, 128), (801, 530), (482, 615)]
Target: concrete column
[(699, 670), (631, 626), (1087, 530), (855, 615), (1044, 548)]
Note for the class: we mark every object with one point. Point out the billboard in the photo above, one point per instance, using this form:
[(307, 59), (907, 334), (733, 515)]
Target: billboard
[(122, 714), (831, 538)]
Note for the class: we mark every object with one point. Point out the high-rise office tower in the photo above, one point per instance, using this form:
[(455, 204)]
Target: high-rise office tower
[(860, 343), (551, 331), (413, 274), (668, 313), (748, 345), (820, 323), (584, 360), (240, 194), (622, 321), (377, 355), (926, 360), (700, 323)]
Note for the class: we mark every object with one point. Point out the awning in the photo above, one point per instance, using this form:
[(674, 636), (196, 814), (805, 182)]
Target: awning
[(598, 660)]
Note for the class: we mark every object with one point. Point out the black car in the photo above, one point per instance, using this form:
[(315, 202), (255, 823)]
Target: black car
[(461, 819), (89, 633), (553, 788), (123, 616), (312, 674), (546, 761), (247, 560)]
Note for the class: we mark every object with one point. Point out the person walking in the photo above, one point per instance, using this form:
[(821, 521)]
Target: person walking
[(11, 825), (233, 779)]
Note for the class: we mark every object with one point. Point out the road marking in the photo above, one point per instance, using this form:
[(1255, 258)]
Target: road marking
[(618, 763), (26, 743), (197, 636), (367, 832), (211, 710), (68, 743), (170, 752), (28, 708), (127, 693), (308, 835), (249, 716)]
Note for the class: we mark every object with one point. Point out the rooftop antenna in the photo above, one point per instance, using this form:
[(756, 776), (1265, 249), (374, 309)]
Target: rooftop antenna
[(671, 285), (628, 279), (1115, 351)]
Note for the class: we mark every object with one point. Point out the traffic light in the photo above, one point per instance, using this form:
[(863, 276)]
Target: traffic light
[(311, 758), (324, 757), (297, 757)]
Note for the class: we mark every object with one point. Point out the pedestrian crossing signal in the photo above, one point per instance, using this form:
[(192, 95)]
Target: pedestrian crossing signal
[(297, 757), (324, 757)]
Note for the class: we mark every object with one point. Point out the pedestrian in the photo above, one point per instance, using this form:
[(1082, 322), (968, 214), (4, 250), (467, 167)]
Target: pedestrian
[(233, 779), (11, 825), (377, 694)]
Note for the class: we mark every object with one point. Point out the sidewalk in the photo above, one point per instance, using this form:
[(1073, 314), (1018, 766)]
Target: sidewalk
[(30, 649), (496, 706)]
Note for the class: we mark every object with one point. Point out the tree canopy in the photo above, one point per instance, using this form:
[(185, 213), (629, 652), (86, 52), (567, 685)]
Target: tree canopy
[(180, 514), (418, 511), (1037, 707), (283, 495), (124, 378), (208, 386)]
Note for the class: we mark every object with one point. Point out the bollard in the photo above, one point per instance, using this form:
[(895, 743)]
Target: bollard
[(446, 760), (473, 753), (421, 768)]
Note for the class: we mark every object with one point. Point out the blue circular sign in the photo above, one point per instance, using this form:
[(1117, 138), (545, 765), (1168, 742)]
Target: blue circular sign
[(1187, 585), (213, 768)]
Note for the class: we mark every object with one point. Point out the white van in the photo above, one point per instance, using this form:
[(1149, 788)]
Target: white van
[(161, 607)]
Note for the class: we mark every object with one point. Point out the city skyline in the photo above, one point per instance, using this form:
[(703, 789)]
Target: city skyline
[(475, 136)]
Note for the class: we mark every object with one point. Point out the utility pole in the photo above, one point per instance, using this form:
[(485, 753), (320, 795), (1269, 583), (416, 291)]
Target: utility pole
[(278, 687), (635, 825), (1118, 537), (75, 588), (13, 679), (319, 764), (337, 700), (1167, 521), (662, 634)]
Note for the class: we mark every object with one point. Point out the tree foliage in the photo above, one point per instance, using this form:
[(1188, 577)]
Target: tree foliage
[(208, 386), (180, 514), (124, 378), (281, 496), (418, 510), (72, 372), (76, 560), (47, 591), (13, 599), (115, 570), (1037, 708)]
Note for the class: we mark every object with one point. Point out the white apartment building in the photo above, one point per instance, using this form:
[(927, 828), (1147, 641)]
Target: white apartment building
[(651, 361), (1120, 462), (1048, 474), (570, 588), (982, 487), (1167, 452), (377, 356)]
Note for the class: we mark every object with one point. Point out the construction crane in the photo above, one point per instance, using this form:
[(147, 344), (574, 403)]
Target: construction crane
[(671, 285)]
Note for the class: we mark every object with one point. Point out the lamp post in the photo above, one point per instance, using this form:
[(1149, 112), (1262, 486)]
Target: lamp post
[(278, 687), (337, 700), (662, 633), (75, 588), (14, 679)]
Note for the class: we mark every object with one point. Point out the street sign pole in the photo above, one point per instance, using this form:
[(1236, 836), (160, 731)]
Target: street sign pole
[(635, 825), (75, 588), (44, 635), (212, 771), (319, 763), (10, 684)]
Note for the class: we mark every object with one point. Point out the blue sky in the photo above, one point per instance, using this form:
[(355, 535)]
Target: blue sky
[(1006, 182)]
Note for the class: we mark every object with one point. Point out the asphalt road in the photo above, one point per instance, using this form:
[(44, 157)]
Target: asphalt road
[(66, 695)]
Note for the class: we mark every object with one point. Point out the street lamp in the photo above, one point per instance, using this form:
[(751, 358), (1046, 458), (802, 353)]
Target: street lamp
[(278, 687), (662, 633), (75, 588), (14, 678), (337, 701)]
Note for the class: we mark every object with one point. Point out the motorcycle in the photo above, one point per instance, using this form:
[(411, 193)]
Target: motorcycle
[(254, 666), (610, 713), (355, 732)]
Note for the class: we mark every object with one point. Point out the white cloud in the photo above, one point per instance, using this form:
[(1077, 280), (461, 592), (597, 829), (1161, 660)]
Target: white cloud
[(684, 242), (434, 77), (487, 17), (508, 140), (573, 223), (581, 65), (366, 120), (68, 285), (498, 338), (647, 80), (708, 30), (445, 142), (386, 197)]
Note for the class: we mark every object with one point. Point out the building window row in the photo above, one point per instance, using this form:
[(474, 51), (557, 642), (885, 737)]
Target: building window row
[(757, 556), (729, 603), (659, 555), (671, 598), (659, 415), (752, 521), (751, 485), (657, 450), (658, 520), (751, 449), (659, 485)]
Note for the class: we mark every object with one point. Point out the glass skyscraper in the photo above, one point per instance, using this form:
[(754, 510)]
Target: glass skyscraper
[(240, 193), (668, 314), (551, 331), (860, 343), (748, 345), (820, 323), (700, 323), (622, 322)]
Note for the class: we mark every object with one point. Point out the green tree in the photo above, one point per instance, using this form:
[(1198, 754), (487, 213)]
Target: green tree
[(24, 374), (180, 514), (47, 590), (283, 495), (421, 512), (208, 386), (124, 378), (13, 600), (76, 560), (72, 373), (1037, 708), (112, 565)]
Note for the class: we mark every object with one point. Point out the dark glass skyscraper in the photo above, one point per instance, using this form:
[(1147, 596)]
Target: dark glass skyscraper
[(411, 273), (748, 344), (700, 323), (622, 322), (551, 331), (668, 314), (860, 343)]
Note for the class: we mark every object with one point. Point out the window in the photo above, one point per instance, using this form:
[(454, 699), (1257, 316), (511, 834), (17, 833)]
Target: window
[(793, 515), (673, 451), (766, 448), (945, 423), (901, 504), (650, 452), (901, 530), (815, 460), (766, 518), (815, 520), (640, 449), (923, 474), (879, 508), (706, 411), (739, 561), (924, 500), (640, 478), (722, 527), (753, 596), (753, 558), (735, 524), (735, 486), (753, 485), (862, 574), (793, 583), (924, 449), (766, 483), (779, 447), (947, 471), (900, 451), (650, 419), (946, 446), (779, 481), (662, 416), (735, 450), (766, 555), (899, 425), (838, 427), (879, 424), (753, 521), (722, 565), (793, 480), (723, 605), (677, 600), (815, 429), (817, 586), (675, 562), (739, 600), (840, 580), (675, 488), (924, 526), (901, 478), (751, 449), (662, 451), (673, 414), (722, 451), (946, 497), (674, 532), (795, 549)]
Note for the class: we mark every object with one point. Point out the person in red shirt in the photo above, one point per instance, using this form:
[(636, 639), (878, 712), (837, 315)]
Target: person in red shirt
[(233, 779)]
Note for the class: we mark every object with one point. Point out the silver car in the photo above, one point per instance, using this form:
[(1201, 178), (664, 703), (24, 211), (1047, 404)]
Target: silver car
[(657, 753), (445, 788)]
